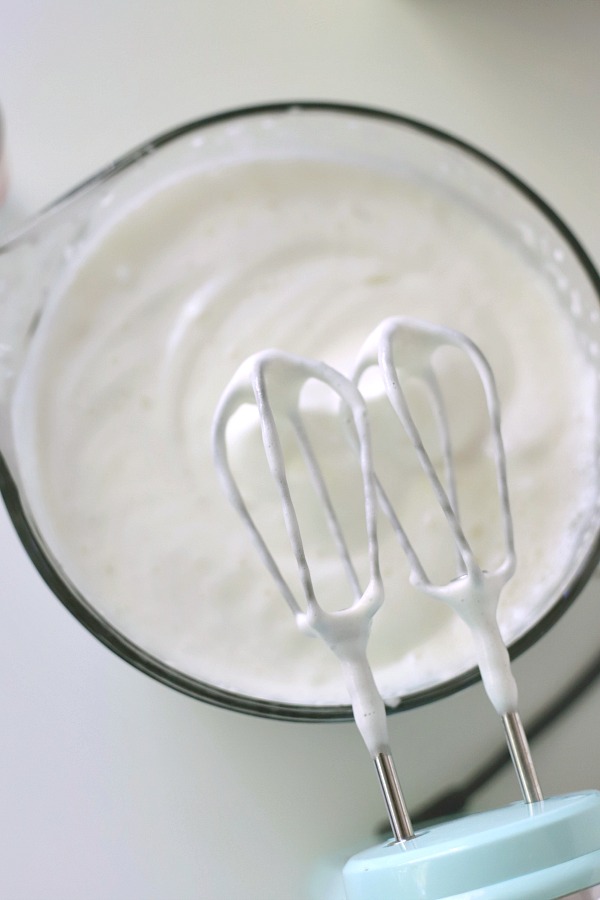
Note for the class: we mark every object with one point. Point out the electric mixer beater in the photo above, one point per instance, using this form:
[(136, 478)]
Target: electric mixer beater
[(512, 853), (346, 631), (402, 350)]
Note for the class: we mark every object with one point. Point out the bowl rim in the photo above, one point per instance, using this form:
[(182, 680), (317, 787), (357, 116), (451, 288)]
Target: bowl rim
[(98, 625)]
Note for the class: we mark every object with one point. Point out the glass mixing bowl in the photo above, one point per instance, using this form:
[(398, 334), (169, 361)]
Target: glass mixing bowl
[(35, 258)]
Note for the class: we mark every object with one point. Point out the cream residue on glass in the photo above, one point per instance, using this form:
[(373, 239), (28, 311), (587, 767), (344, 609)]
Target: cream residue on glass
[(113, 408)]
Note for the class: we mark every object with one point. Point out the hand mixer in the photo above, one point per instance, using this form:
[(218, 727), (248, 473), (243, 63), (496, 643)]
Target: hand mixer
[(403, 350), (273, 382), (538, 850)]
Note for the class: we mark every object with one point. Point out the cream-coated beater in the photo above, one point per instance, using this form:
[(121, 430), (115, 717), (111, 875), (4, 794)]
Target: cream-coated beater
[(273, 382), (535, 850)]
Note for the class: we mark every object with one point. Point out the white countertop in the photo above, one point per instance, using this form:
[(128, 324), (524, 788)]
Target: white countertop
[(111, 785)]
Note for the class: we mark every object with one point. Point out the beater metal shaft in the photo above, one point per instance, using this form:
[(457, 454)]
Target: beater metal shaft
[(394, 800), (521, 757)]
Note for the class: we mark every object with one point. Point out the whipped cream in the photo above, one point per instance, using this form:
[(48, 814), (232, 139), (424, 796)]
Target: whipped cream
[(113, 410)]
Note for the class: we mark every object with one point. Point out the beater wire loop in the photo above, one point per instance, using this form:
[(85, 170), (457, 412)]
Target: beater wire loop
[(332, 518)]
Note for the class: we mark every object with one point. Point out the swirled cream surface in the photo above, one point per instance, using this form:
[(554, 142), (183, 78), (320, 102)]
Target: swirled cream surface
[(113, 410)]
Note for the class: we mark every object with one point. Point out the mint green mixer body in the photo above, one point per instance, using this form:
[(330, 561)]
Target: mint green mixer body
[(540, 851)]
